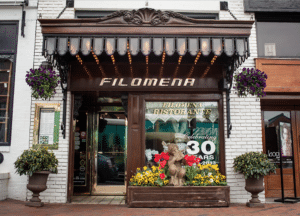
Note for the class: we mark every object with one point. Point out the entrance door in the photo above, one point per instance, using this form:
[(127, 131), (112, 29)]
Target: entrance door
[(109, 147), (282, 125)]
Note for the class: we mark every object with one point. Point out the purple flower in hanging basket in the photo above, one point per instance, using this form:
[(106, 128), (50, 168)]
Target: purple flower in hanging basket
[(47, 78), (251, 81)]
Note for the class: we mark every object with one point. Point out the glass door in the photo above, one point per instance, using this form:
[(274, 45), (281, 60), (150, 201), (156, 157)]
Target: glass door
[(109, 151), (280, 138)]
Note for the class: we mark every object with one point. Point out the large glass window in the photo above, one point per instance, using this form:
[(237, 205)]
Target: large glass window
[(278, 39), (278, 134), (193, 126)]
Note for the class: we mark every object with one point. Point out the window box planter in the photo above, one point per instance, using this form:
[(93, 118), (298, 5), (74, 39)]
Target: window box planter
[(176, 197)]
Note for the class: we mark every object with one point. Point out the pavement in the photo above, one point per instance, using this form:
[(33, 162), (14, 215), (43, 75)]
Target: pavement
[(16, 208)]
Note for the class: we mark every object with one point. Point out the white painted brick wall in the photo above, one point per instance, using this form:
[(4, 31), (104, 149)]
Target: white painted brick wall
[(16, 185), (57, 183), (246, 134), (4, 177)]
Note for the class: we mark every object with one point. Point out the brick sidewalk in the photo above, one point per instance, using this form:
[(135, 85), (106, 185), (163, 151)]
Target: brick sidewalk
[(14, 207)]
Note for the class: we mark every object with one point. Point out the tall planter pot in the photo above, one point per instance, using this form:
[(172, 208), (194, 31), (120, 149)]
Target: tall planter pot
[(37, 184), (255, 186)]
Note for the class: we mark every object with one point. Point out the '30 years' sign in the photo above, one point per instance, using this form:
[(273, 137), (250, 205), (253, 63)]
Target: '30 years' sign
[(194, 147)]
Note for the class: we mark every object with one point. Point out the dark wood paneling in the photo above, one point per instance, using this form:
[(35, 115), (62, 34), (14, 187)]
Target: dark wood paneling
[(135, 143), (176, 197)]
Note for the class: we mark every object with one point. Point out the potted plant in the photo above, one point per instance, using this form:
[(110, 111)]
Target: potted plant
[(38, 163), (254, 166), (250, 81), (42, 82), (188, 184)]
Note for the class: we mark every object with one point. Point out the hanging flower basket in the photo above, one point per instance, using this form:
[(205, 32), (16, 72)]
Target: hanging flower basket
[(250, 81), (42, 82)]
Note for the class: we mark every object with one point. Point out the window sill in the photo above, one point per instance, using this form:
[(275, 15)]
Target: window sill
[(4, 148)]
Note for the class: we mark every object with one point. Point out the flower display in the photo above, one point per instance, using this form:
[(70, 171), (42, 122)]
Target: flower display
[(42, 82), (207, 175), (200, 175), (250, 81), (149, 177)]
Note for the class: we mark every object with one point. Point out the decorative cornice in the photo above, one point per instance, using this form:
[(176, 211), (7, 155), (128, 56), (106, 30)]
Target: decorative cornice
[(146, 21), (148, 16)]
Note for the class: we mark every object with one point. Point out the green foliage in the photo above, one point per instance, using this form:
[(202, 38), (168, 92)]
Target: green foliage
[(253, 164), (190, 173), (35, 160)]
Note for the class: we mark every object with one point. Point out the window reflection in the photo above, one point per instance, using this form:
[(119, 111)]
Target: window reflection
[(193, 126), (278, 130)]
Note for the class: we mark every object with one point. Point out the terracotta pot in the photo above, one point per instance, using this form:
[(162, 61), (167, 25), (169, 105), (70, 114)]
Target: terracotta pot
[(255, 186), (37, 184)]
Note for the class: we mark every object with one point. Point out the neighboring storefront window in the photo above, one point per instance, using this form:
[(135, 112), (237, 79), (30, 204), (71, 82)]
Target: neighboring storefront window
[(193, 126), (278, 39), (278, 133)]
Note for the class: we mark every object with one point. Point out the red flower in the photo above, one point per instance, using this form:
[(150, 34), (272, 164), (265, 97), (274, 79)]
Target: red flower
[(163, 163), (157, 157), (190, 160), (162, 175), (165, 156), (198, 160)]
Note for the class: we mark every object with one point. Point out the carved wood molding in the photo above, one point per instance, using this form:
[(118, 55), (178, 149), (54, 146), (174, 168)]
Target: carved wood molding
[(146, 16)]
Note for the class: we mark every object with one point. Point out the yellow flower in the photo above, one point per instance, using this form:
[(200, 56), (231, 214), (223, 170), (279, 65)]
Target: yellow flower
[(145, 168), (138, 169), (215, 167)]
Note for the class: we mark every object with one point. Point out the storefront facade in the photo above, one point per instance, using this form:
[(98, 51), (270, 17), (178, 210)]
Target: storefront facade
[(164, 78), (135, 79)]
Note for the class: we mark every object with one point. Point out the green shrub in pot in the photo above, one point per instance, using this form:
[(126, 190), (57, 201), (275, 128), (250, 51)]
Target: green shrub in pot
[(36, 160), (253, 164)]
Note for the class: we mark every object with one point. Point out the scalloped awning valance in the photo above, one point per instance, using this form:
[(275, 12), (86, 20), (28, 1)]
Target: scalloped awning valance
[(121, 45)]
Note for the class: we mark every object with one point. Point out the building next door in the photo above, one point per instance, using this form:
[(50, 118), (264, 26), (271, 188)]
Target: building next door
[(100, 147), (281, 124)]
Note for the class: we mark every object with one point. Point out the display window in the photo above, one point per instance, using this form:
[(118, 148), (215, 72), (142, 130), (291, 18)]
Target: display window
[(193, 126)]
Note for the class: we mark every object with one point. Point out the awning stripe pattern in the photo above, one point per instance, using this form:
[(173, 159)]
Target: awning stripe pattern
[(60, 45)]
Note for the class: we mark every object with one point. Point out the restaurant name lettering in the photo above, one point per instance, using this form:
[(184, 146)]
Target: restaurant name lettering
[(170, 108), (147, 82)]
